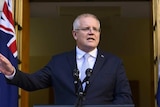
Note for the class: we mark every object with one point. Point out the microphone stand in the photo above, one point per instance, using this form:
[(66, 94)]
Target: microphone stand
[(80, 95), (79, 88)]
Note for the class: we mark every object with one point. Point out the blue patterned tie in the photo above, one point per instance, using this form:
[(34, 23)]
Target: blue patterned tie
[(85, 66)]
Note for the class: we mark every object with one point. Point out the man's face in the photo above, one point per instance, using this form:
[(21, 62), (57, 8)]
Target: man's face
[(87, 36)]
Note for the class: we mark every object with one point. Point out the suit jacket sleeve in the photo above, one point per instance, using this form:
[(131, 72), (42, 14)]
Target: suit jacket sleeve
[(123, 94), (37, 80)]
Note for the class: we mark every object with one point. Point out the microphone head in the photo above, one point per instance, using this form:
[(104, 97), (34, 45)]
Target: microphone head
[(76, 73), (89, 72)]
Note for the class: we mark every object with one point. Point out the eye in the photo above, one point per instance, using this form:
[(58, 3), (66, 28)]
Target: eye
[(87, 29), (96, 29)]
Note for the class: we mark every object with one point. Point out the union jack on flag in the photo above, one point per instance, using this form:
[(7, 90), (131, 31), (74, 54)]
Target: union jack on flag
[(8, 93)]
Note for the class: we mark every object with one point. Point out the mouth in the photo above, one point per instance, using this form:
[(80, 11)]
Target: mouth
[(90, 39)]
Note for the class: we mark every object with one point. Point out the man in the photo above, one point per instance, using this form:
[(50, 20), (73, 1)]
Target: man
[(104, 83)]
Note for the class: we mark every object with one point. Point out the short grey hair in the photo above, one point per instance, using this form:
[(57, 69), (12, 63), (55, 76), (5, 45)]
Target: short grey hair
[(76, 23)]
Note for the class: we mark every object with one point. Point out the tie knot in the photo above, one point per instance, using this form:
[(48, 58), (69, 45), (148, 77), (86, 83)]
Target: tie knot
[(86, 56)]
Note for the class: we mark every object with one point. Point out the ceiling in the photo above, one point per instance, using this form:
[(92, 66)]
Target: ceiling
[(56, 9)]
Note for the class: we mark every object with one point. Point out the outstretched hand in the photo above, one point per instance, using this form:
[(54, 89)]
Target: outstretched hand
[(5, 66)]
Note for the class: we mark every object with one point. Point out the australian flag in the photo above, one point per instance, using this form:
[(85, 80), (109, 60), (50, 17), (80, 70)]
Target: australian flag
[(8, 93)]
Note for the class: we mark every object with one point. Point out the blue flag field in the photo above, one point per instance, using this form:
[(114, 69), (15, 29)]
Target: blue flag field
[(8, 93)]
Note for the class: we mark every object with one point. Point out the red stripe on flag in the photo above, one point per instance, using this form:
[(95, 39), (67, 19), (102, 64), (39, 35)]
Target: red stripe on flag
[(7, 13), (13, 47), (7, 29)]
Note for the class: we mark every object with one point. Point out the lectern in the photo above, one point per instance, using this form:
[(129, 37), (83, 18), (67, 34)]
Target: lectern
[(84, 105)]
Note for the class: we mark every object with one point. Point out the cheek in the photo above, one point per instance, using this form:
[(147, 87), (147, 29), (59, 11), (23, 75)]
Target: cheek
[(79, 37), (97, 38)]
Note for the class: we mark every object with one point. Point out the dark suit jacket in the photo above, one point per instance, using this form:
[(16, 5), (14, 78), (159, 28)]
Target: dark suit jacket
[(108, 82)]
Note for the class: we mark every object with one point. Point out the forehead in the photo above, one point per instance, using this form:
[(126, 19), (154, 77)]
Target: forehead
[(88, 21)]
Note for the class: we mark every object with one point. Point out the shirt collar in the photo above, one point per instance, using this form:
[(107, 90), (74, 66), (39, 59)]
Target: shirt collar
[(80, 53)]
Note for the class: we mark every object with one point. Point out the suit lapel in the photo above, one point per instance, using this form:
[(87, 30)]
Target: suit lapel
[(71, 59), (97, 66)]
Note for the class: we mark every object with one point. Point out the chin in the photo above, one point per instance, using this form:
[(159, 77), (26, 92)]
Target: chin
[(91, 48)]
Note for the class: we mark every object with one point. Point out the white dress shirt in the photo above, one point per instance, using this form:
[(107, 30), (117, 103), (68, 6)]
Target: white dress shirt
[(91, 59)]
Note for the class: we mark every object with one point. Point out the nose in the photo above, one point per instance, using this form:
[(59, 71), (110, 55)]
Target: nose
[(91, 30)]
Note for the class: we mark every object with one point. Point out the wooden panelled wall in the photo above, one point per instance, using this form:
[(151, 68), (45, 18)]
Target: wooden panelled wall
[(156, 39), (24, 48)]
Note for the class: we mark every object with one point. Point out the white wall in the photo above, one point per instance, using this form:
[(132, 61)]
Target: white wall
[(1, 5)]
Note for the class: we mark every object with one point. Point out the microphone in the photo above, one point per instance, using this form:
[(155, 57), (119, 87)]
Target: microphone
[(88, 75), (86, 80), (76, 80), (76, 75), (78, 85), (78, 88)]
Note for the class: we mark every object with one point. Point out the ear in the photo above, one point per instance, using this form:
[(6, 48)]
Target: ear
[(74, 35)]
